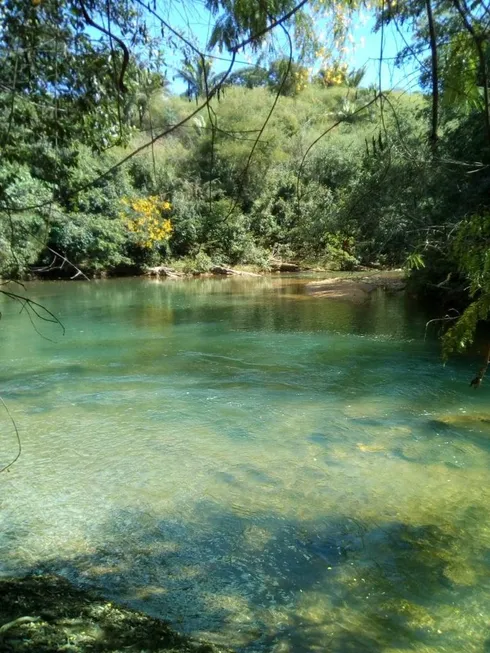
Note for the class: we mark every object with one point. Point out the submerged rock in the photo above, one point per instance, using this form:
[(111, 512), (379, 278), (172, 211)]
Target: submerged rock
[(339, 288), (330, 552), (63, 618), (371, 448), (463, 420), (356, 288)]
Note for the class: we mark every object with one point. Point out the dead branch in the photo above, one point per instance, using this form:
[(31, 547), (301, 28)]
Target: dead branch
[(17, 622)]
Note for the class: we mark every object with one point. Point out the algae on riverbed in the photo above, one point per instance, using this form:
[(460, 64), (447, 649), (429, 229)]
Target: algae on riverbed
[(263, 473), (80, 621)]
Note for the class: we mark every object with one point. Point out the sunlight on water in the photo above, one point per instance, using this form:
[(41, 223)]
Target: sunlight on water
[(272, 471)]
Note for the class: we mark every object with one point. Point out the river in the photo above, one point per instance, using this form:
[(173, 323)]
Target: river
[(264, 469)]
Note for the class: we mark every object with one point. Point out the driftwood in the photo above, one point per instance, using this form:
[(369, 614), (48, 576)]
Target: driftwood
[(162, 271), (280, 266), (17, 622), (219, 269)]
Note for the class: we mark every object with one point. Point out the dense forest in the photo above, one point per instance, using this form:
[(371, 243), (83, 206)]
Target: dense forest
[(105, 170)]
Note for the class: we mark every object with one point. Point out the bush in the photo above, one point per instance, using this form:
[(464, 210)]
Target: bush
[(23, 234), (91, 242)]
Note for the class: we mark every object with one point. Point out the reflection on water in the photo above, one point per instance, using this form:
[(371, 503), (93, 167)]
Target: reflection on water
[(273, 471)]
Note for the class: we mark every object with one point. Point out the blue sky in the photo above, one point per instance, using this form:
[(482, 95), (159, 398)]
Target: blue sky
[(405, 77), (196, 23)]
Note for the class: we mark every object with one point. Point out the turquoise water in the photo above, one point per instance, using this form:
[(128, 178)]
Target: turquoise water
[(263, 468)]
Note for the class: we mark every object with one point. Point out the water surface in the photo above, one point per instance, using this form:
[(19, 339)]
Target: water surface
[(266, 469)]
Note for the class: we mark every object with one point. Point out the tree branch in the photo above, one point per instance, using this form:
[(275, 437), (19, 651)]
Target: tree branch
[(19, 452), (478, 39), (120, 42), (433, 138), (279, 21), (332, 127)]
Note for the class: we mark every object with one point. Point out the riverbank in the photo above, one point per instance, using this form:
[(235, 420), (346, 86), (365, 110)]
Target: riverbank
[(358, 286), (47, 614), (182, 270), (189, 267)]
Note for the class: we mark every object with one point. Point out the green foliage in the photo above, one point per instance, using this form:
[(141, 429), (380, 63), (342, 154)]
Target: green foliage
[(459, 67), (340, 250), (462, 334), (22, 235), (231, 206), (57, 83), (415, 261), (240, 20), (197, 74), (329, 175), (471, 251), (92, 242), (200, 263), (287, 77)]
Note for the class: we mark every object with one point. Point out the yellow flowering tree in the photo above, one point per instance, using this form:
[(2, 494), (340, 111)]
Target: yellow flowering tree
[(334, 75), (301, 78), (147, 218)]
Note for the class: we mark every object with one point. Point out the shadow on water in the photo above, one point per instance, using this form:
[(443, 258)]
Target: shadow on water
[(349, 380), (333, 584)]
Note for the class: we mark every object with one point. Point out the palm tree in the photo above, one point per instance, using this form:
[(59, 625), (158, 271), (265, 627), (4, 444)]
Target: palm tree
[(137, 100), (198, 75), (355, 76)]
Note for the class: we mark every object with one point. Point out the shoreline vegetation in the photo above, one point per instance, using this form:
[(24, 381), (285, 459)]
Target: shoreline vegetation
[(356, 285), (191, 267), (374, 276), (46, 613)]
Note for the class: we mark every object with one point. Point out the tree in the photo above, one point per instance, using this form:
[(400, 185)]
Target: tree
[(287, 77), (198, 75), (456, 75), (137, 101), (252, 77), (471, 251), (58, 81)]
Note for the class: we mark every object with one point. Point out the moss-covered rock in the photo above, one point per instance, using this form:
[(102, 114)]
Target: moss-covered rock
[(69, 619)]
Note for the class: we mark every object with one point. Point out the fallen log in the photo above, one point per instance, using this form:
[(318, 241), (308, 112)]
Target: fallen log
[(219, 269), (162, 271), (280, 266)]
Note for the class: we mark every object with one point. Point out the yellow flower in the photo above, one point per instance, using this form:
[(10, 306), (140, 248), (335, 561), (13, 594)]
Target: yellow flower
[(143, 217)]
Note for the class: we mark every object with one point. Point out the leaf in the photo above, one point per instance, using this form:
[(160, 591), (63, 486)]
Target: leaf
[(415, 261)]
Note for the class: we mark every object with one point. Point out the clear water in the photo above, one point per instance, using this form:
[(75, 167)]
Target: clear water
[(265, 469)]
